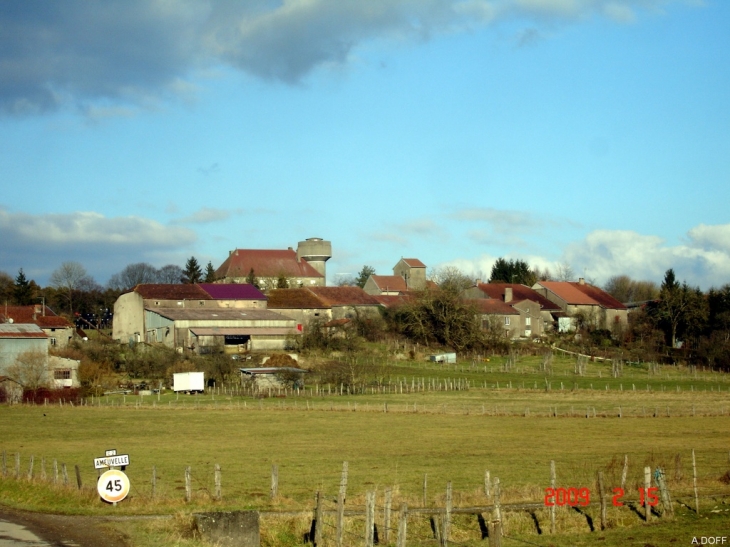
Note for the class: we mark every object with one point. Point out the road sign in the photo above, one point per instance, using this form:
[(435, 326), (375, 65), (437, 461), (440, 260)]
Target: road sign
[(113, 486), (112, 452), (111, 461)]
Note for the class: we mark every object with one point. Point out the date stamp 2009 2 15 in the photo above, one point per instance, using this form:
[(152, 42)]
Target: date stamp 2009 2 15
[(574, 497)]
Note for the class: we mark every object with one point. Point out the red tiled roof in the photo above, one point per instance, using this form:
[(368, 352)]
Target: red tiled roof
[(393, 300), (492, 306), (582, 294), (343, 296), (24, 314), (413, 262), (232, 291), (171, 291), (519, 292), (265, 263), (294, 299), (389, 282)]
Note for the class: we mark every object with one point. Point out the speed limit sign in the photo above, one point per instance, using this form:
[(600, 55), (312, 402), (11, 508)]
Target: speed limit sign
[(113, 486)]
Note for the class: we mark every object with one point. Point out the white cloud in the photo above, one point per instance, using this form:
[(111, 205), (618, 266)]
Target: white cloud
[(207, 215), (39, 243), (703, 260)]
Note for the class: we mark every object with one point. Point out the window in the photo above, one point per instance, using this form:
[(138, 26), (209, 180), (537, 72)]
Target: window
[(62, 374), (506, 321), (52, 341), (528, 321)]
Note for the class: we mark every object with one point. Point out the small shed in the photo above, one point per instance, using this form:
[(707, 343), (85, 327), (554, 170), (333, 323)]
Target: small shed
[(273, 377), (443, 358)]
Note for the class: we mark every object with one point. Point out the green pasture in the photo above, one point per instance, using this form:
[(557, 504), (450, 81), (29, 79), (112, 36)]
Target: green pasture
[(394, 437)]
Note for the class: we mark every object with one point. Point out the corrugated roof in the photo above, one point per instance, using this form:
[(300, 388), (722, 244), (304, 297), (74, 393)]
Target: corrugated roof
[(519, 292), (265, 263), (21, 330), (171, 291), (300, 299), (218, 314), (389, 282), (582, 294), (238, 331), (232, 291), (343, 296)]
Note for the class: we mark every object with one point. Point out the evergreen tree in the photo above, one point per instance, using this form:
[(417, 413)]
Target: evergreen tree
[(362, 277), (251, 279), (192, 272), (282, 282), (512, 271), (209, 273), (23, 291)]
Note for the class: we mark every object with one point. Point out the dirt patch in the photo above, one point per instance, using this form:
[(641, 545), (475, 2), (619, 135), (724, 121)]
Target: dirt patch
[(81, 531)]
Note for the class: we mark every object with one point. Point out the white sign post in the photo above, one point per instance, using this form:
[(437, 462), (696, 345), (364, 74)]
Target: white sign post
[(113, 485)]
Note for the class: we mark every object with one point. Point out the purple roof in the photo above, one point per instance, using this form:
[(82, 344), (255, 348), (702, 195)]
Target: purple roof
[(232, 291)]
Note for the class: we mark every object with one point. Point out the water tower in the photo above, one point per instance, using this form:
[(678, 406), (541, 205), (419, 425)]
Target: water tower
[(316, 251)]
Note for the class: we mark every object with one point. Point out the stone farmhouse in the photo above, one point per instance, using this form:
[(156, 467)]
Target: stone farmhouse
[(409, 274), (305, 267), (525, 313), (201, 318)]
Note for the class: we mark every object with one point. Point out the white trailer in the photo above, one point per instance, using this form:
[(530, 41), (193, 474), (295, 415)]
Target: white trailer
[(188, 382)]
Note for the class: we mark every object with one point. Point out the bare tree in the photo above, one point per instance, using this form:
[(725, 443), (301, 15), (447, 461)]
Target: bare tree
[(68, 278), (564, 272), (451, 279), (169, 274), (133, 275), (30, 370)]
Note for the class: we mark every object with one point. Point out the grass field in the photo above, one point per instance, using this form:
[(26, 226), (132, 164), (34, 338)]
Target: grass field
[(445, 435)]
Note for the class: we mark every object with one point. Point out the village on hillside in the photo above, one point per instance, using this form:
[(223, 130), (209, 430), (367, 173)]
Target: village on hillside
[(263, 301)]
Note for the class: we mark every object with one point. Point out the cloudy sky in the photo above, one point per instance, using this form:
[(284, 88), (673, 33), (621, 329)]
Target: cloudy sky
[(594, 133)]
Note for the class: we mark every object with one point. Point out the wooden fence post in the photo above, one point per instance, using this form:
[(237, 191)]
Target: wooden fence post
[(30, 467), (553, 482), (340, 518), (625, 471), (369, 518), (43, 468), (78, 476), (5, 463), (217, 480), (664, 493), (402, 526), (386, 515), (188, 485), (694, 482), (647, 485), (602, 494), (274, 481), (154, 481), (64, 472), (318, 524), (55, 471), (447, 516), (494, 529), (17, 465), (497, 493), (487, 484), (343, 481), (425, 490)]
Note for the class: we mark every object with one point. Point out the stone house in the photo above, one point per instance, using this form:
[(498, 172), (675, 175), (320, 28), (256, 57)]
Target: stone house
[(59, 330), (409, 274), (596, 306), (537, 313)]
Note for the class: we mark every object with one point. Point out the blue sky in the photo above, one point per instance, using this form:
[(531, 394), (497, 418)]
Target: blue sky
[(591, 133)]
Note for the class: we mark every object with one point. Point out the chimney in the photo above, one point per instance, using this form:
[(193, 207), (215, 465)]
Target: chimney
[(508, 294), (581, 281)]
